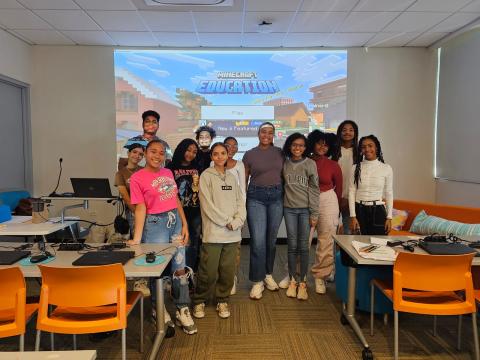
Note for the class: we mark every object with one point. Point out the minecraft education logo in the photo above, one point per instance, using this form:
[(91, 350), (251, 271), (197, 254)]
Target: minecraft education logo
[(240, 82)]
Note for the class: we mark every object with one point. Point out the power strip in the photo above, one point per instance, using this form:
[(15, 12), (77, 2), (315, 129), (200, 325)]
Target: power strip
[(71, 246)]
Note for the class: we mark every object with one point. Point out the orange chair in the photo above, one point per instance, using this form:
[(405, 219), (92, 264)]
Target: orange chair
[(88, 299), (429, 285), (14, 312)]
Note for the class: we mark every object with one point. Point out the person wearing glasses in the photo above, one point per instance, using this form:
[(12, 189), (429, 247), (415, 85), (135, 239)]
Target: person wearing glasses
[(150, 122)]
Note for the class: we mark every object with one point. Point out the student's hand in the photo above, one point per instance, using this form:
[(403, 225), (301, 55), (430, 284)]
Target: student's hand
[(388, 226), (229, 227), (313, 222), (185, 235), (133, 242), (354, 225)]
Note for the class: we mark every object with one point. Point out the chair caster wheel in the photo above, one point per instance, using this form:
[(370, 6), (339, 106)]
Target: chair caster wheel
[(343, 320), (367, 354)]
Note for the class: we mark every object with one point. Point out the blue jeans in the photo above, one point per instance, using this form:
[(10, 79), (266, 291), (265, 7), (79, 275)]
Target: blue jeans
[(264, 215), (194, 220), (298, 230), (159, 229)]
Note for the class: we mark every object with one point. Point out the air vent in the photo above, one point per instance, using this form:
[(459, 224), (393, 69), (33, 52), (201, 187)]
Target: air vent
[(189, 2)]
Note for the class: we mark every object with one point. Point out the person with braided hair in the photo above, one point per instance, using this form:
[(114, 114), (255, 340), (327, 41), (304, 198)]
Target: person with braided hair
[(371, 181)]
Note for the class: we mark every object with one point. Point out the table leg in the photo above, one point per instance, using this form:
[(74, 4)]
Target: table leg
[(349, 312), (74, 238), (160, 333)]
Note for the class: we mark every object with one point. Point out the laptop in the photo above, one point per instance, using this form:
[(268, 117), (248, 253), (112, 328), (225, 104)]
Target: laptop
[(445, 248), (91, 188), (104, 258), (11, 257)]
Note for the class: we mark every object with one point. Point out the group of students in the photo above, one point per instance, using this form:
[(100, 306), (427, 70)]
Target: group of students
[(200, 199)]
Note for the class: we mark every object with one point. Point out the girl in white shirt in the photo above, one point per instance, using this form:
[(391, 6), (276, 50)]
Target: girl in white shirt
[(370, 181), (346, 154)]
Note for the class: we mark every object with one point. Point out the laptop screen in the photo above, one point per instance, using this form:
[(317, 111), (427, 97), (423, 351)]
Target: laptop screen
[(91, 188)]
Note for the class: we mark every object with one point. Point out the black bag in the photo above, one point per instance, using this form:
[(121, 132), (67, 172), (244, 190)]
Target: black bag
[(121, 225)]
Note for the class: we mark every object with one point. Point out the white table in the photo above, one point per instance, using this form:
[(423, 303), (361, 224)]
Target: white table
[(65, 259), (50, 355), (345, 243), (30, 229)]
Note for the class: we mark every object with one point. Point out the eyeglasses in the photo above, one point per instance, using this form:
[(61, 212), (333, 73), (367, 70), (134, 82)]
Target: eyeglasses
[(298, 145), (154, 122)]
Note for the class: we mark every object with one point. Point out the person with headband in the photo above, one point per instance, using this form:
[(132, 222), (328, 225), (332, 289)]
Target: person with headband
[(204, 136), (263, 167)]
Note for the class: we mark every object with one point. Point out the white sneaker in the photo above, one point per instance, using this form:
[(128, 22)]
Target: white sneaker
[(283, 284), (270, 283), (320, 286), (184, 319), (223, 311), (142, 286), (234, 287), (199, 311), (257, 290), (292, 289), (302, 291)]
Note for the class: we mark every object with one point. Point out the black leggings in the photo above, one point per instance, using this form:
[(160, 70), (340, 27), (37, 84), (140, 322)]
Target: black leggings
[(371, 219)]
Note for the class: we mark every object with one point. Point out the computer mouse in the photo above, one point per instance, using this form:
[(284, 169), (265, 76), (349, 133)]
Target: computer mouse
[(38, 258), (150, 257)]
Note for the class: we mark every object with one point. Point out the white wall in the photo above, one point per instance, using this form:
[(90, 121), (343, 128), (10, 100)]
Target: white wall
[(390, 93), (457, 193), (15, 58), (73, 117)]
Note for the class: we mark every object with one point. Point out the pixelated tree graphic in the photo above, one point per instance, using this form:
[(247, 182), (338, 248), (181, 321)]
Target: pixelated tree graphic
[(190, 105)]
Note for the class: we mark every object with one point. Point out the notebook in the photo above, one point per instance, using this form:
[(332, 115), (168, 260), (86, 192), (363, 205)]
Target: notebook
[(104, 258), (11, 257), (440, 248)]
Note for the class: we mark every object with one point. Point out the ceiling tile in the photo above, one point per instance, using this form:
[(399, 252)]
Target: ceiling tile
[(68, 19), (328, 5), (391, 39), (383, 5), (10, 4), (22, 19), (415, 21), (474, 6), (90, 37), (436, 5), (130, 38), (176, 39), (118, 20), (263, 40), (454, 22), (280, 21), (213, 22), (49, 4), (317, 21), (427, 39), (272, 5), (220, 39), (347, 39), (45, 37), (366, 21), (168, 21), (106, 4), (305, 39)]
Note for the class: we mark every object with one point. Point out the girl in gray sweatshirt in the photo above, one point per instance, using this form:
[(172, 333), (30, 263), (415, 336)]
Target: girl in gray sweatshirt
[(223, 214)]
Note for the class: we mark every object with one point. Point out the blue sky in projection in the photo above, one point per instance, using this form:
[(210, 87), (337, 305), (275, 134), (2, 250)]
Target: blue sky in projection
[(294, 72)]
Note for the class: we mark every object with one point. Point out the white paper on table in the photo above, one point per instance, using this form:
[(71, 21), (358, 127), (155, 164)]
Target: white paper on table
[(378, 241), (385, 253)]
